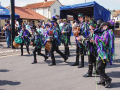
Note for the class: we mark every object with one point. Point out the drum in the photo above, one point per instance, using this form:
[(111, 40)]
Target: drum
[(16, 45), (18, 40), (48, 46), (76, 31)]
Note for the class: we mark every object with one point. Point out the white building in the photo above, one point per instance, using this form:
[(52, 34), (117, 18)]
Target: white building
[(115, 15), (46, 8)]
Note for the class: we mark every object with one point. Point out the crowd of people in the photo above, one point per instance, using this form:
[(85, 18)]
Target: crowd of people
[(97, 38)]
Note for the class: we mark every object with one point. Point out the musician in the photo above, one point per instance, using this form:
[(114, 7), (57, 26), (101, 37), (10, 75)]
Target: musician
[(38, 43), (105, 49), (55, 42), (92, 52), (65, 37), (79, 46), (24, 34)]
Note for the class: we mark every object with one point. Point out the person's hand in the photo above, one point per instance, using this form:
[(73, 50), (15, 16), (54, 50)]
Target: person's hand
[(63, 32), (21, 36), (78, 38)]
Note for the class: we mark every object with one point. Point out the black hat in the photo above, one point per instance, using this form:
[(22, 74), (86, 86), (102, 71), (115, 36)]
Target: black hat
[(108, 24), (93, 23), (23, 26), (34, 27), (99, 22)]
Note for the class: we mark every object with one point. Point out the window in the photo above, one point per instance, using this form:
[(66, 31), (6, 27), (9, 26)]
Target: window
[(54, 10)]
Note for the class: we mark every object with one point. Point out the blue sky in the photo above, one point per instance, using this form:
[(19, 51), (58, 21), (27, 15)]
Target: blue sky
[(111, 4)]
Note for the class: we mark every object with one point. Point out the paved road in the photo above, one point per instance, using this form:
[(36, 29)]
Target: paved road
[(17, 73)]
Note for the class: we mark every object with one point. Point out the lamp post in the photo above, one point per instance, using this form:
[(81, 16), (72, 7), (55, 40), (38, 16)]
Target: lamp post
[(12, 22), (85, 1)]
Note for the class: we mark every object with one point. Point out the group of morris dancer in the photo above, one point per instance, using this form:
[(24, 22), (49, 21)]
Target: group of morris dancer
[(97, 38)]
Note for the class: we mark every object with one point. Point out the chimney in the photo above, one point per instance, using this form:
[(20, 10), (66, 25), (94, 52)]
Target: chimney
[(45, 1)]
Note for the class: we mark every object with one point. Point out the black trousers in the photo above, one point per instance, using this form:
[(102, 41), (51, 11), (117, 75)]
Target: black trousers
[(91, 63), (101, 70), (55, 48), (66, 47), (46, 52), (27, 47), (80, 51), (38, 50)]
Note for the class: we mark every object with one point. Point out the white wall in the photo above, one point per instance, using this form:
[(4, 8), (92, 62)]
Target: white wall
[(40, 11), (56, 6), (45, 12), (48, 12), (117, 18)]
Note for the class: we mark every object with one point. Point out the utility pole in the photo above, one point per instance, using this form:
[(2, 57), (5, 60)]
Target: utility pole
[(12, 22)]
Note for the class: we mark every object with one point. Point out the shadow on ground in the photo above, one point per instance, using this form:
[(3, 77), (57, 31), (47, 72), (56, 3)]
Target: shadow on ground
[(113, 65), (4, 70), (5, 82), (114, 74), (115, 85)]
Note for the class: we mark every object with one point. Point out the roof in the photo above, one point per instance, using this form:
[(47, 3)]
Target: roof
[(28, 13), (5, 13), (118, 12), (40, 5)]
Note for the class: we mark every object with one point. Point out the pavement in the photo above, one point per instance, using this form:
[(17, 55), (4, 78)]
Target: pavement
[(17, 72)]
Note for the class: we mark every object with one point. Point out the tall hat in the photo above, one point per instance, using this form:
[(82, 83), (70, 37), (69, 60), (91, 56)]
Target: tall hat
[(108, 24), (99, 22), (54, 18), (34, 27), (93, 23)]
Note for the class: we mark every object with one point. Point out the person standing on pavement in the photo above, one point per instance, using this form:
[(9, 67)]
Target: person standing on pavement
[(65, 37), (79, 46), (105, 50), (24, 34)]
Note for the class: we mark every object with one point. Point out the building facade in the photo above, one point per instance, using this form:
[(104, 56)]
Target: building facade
[(46, 8)]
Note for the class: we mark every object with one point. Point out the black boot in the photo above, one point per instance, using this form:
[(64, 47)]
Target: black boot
[(87, 75), (82, 62), (108, 82), (101, 83), (77, 61), (80, 66), (95, 72), (46, 57), (28, 49), (34, 62), (53, 63), (21, 54), (65, 59)]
